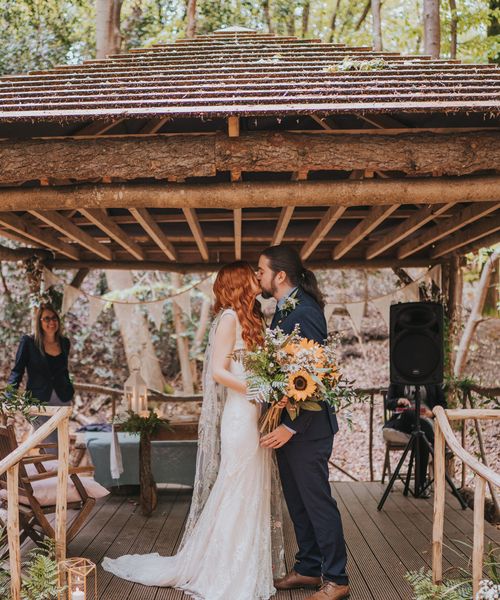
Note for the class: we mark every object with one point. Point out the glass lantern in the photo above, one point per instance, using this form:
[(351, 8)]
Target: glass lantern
[(77, 579), (136, 393)]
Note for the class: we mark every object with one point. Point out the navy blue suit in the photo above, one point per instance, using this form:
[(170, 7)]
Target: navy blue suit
[(303, 465)]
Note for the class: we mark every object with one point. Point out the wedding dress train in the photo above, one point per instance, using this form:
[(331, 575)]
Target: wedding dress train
[(227, 555)]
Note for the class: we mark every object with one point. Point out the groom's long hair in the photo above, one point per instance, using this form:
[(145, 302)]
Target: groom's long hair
[(233, 289), (287, 259)]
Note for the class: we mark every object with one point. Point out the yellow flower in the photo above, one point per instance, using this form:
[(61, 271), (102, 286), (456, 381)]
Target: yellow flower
[(334, 374), (300, 385), (315, 349)]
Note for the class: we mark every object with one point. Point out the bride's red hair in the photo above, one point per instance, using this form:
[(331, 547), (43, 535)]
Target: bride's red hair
[(234, 288)]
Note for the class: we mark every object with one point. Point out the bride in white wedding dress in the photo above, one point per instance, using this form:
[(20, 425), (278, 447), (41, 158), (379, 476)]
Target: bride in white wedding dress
[(232, 545)]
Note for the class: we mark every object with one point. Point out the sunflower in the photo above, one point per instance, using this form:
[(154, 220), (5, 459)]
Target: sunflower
[(315, 349), (334, 373), (300, 385)]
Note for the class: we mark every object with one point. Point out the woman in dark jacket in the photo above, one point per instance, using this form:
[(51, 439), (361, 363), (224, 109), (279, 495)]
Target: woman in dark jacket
[(44, 356)]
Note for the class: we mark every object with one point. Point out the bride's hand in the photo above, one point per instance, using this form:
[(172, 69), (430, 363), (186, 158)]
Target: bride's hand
[(283, 402)]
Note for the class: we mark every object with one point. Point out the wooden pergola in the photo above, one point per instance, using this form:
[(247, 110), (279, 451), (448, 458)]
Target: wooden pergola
[(187, 155)]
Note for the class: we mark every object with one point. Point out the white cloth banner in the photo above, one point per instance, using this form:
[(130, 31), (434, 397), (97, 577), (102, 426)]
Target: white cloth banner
[(356, 311), (95, 309), (115, 455), (411, 292), (384, 307), (435, 274), (155, 310), (69, 297), (329, 308), (206, 287), (183, 301), (49, 279)]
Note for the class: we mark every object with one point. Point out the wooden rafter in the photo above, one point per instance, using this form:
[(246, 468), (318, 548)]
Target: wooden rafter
[(233, 126), (380, 121), (486, 227), (153, 125), (321, 230), (362, 229), (197, 232), (69, 229), (99, 217), (155, 232), (45, 238), (97, 127), (461, 219), (282, 224), (237, 232), (16, 237), (406, 228)]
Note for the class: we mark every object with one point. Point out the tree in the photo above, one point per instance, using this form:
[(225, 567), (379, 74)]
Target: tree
[(191, 19), (432, 28), (108, 35), (494, 28), (377, 25)]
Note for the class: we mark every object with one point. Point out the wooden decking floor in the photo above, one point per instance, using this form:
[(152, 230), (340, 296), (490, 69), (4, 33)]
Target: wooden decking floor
[(382, 546)]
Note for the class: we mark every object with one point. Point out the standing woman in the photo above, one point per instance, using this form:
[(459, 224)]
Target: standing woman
[(44, 356)]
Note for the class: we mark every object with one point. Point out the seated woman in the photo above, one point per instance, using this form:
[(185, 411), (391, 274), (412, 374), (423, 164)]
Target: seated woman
[(400, 399), (44, 356)]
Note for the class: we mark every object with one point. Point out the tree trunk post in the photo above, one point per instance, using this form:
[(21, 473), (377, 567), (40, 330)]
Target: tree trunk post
[(108, 36), (149, 496), (191, 19), (376, 25), (432, 28)]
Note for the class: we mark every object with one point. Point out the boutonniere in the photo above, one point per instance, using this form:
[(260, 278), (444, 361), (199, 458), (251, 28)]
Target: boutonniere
[(290, 304)]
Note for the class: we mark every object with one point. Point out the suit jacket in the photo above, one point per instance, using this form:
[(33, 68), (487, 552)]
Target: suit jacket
[(311, 319), (41, 382)]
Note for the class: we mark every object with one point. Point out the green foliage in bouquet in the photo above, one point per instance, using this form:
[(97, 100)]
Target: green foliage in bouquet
[(145, 425), (14, 401)]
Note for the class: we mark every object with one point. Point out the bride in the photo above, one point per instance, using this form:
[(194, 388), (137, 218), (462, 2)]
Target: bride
[(232, 546)]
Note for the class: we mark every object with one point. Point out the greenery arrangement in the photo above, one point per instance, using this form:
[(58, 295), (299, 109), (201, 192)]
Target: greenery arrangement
[(148, 424), (351, 64), (14, 401), (39, 574)]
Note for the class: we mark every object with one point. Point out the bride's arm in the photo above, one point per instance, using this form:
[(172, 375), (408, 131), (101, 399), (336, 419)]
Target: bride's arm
[(225, 337)]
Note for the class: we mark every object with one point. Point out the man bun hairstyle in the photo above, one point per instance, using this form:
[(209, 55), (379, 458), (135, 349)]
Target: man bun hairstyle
[(287, 259)]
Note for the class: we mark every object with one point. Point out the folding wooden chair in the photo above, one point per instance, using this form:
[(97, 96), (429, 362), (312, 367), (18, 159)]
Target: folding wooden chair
[(32, 512)]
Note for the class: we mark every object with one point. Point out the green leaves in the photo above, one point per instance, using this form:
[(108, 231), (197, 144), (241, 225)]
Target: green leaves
[(148, 425), (13, 401)]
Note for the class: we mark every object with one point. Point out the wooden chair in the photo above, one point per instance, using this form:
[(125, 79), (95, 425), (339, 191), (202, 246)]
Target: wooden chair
[(32, 514), (390, 446)]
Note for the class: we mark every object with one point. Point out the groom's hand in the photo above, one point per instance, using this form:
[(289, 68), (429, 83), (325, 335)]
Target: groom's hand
[(277, 438)]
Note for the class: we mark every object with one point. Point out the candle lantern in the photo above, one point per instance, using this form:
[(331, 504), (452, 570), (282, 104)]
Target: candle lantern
[(136, 393), (77, 579)]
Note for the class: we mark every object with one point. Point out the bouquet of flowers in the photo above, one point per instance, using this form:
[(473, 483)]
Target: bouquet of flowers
[(300, 369)]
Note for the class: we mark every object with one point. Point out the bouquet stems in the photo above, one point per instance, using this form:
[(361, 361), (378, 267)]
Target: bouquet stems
[(270, 419)]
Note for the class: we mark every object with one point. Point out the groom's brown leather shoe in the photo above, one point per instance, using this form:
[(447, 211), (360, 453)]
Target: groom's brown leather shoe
[(331, 591), (294, 580)]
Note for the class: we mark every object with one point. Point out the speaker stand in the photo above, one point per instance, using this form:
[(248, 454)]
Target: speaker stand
[(417, 438)]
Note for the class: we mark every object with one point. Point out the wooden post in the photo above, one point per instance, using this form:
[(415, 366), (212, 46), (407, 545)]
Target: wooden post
[(453, 302), (463, 440), (370, 449), (233, 126), (149, 497), (62, 489), (439, 500), (478, 544), (13, 532)]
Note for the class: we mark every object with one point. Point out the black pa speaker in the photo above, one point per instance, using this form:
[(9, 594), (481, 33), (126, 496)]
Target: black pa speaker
[(416, 343)]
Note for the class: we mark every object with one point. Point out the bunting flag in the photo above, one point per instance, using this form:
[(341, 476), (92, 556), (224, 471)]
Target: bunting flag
[(115, 455), (155, 310), (96, 306), (384, 307), (69, 297), (411, 292), (183, 301), (435, 274), (49, 279), (329, 308), (356, 311)]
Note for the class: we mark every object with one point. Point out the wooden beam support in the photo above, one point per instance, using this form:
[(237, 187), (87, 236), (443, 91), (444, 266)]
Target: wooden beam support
[(406, 228), (100, 218), (45, 238), (69, 229), (15, 254), (155, 232), (253, 194), (237, 232), (79, 278), (362, 229), (461, 219), (486, 227), (201, 155), (204, 267), (233, 126), (282, 224), (321, 230), (153, 125), (197, 232), (381, 121), (97, 127)]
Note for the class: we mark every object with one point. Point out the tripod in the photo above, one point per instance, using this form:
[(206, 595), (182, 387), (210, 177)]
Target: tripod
[(417, 438)]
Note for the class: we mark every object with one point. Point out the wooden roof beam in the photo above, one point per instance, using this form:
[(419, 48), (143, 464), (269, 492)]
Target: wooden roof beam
[(406, 228), (362, 229), (97, 128), (486, 227), (99, 217), (233, 126), (155, 232), (381, 121), (282, 224), (35, 234), (237, 212), (461, 219), (69, 229), (197, 232), (153, 125), (321, 230)]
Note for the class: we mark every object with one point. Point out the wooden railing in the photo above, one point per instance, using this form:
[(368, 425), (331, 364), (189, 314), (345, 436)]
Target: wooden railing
[(59, 420), (483, 474)]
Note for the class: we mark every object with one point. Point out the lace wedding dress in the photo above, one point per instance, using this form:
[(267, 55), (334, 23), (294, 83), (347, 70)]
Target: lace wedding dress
[(233, 540)]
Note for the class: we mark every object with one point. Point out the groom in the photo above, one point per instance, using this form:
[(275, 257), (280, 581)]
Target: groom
[(304, 446)]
